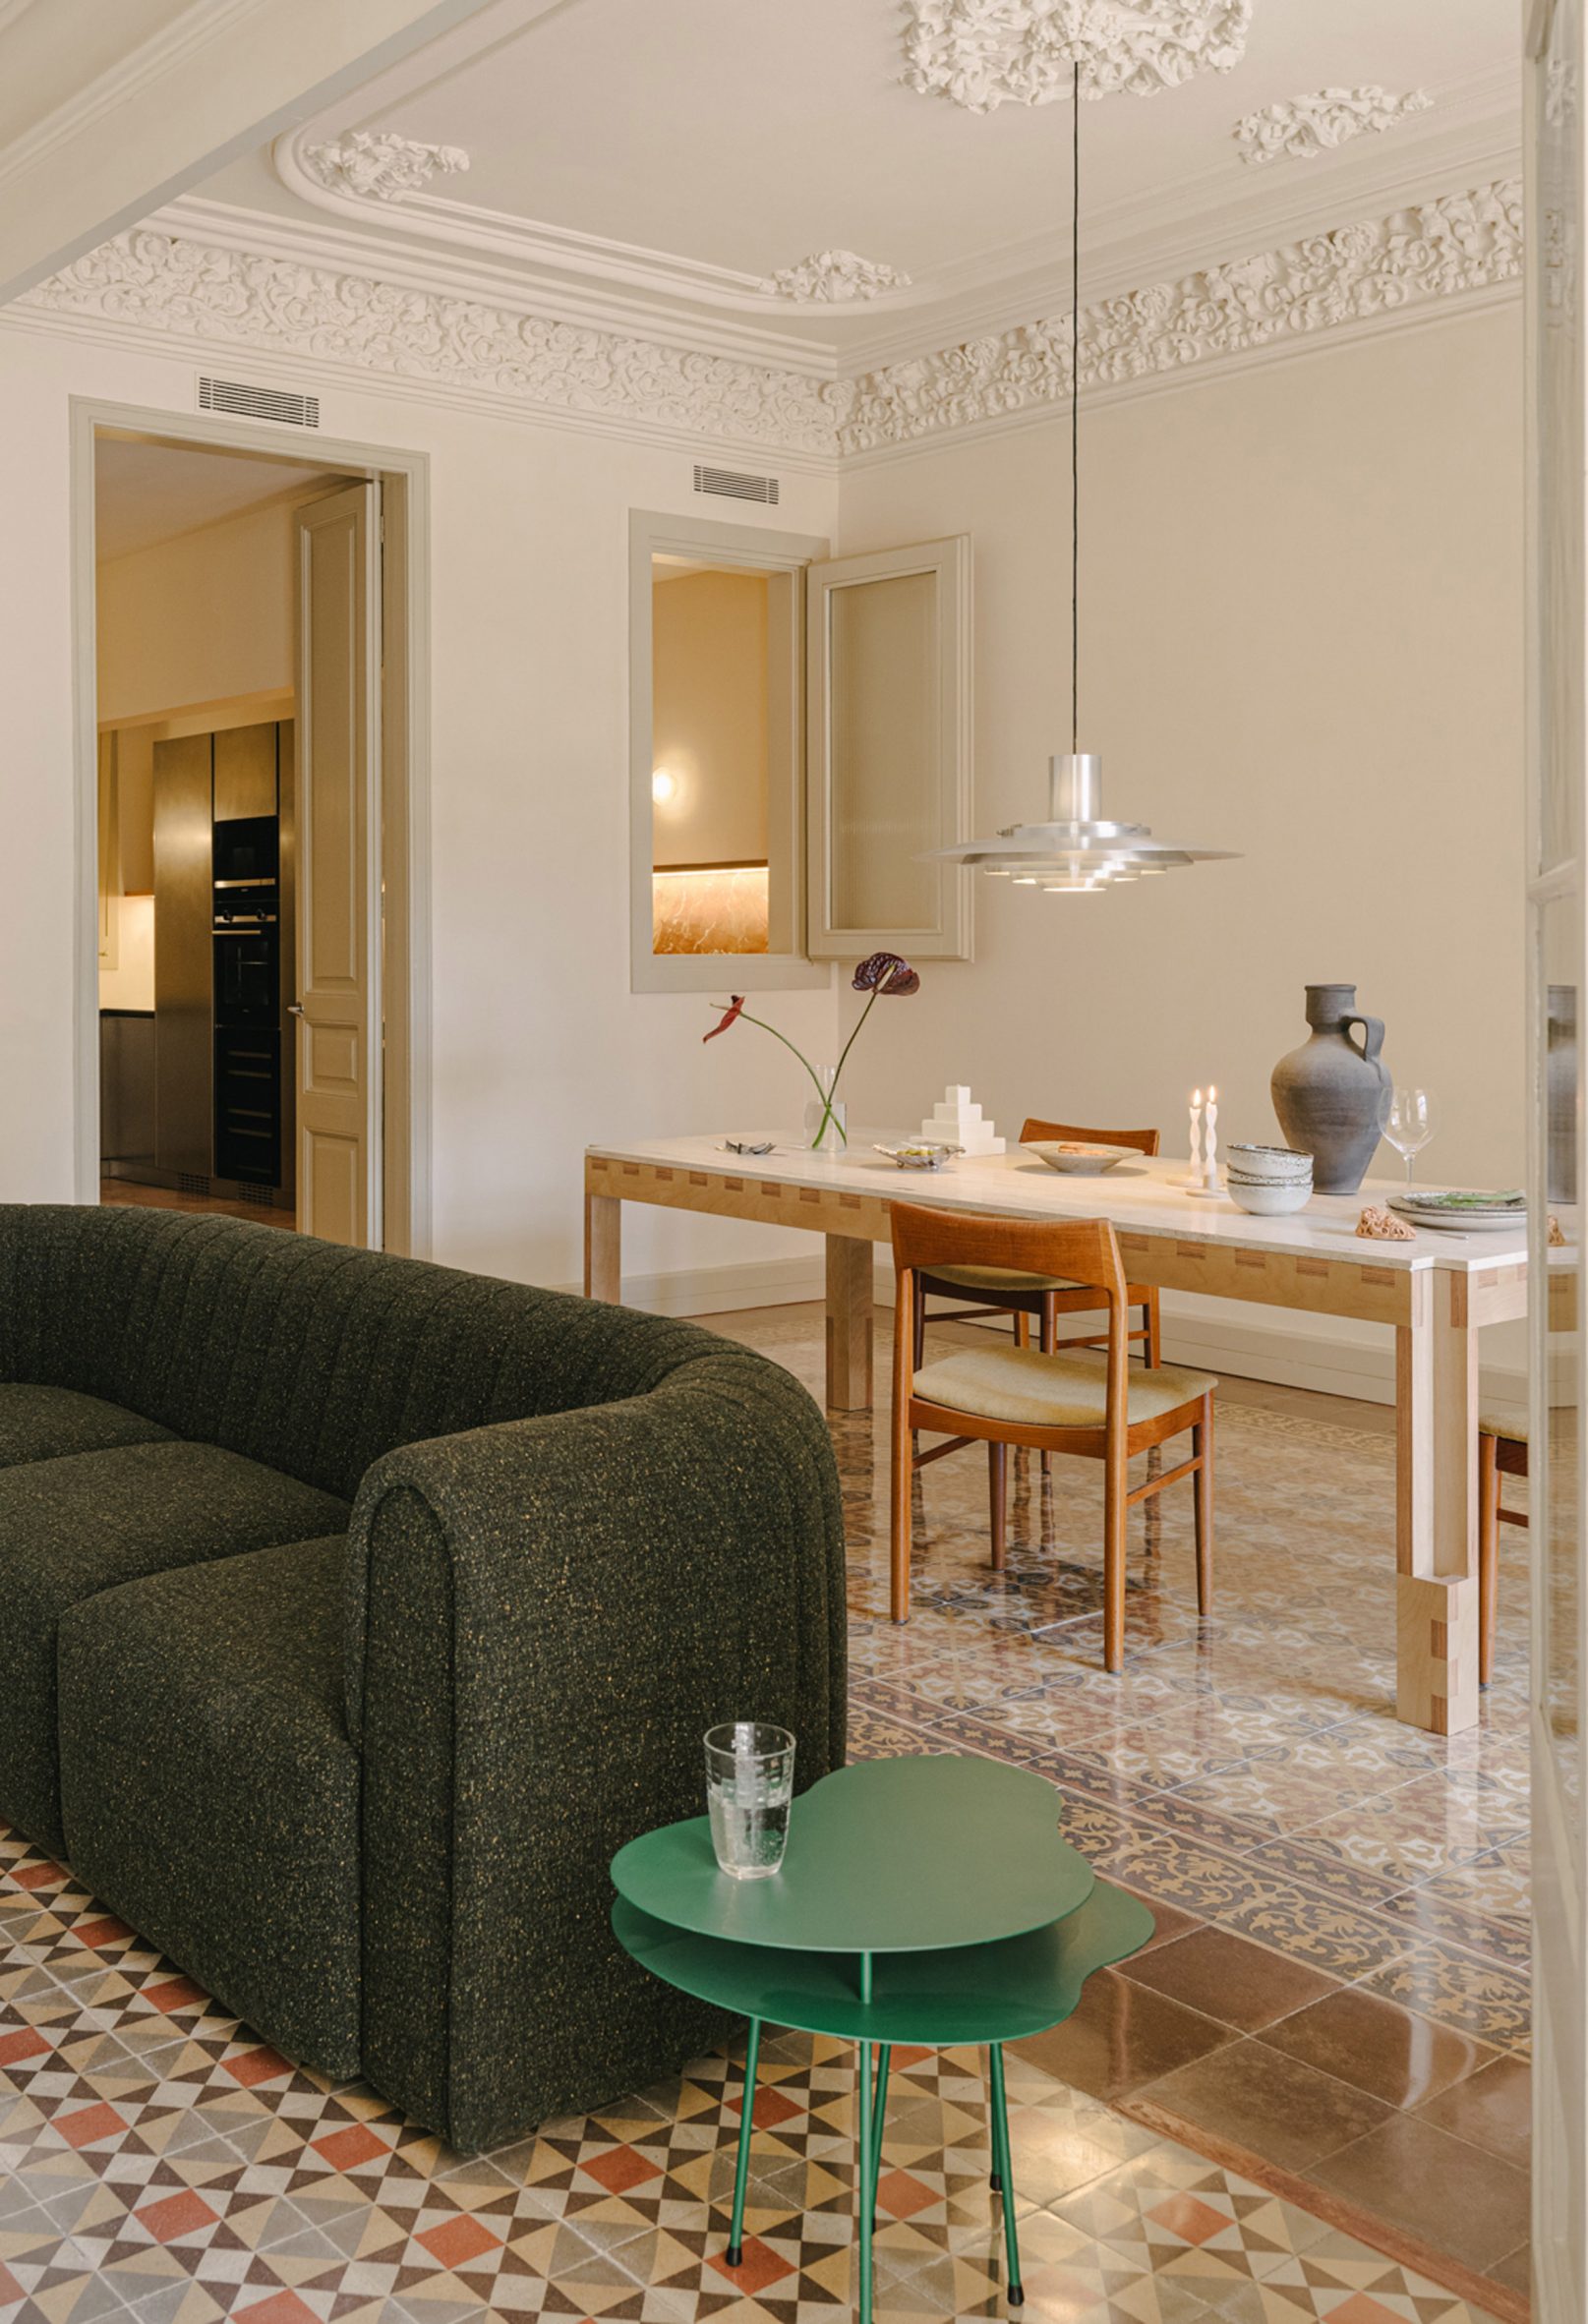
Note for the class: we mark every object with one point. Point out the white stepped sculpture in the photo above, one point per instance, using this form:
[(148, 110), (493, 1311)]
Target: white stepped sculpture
[(955, 1122)]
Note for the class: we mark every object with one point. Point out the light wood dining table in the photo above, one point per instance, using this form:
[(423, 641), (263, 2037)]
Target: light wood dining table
[(1435, 1294)]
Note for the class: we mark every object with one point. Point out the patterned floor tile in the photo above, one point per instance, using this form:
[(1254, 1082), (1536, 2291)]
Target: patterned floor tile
[(160, 2160)]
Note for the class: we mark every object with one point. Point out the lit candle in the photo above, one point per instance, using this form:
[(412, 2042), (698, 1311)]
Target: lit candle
[(1210, 1158), (1196, 1135)]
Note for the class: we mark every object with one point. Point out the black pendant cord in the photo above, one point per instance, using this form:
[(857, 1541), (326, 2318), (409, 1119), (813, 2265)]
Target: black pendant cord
[(1075, 416)]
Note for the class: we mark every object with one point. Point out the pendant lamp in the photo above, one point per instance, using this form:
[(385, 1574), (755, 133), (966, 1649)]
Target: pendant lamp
[(1075, 851)]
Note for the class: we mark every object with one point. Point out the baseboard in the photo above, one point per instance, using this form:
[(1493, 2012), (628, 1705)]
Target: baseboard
[(1249, 1343), (724, 1291)]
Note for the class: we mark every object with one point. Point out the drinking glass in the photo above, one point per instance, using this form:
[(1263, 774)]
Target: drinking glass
[(1409, 1123), (749, 1785)]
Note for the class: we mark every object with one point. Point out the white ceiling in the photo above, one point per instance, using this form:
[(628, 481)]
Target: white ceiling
[(148, 493), (629, 148)]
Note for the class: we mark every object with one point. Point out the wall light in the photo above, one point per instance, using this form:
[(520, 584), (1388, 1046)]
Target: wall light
[(663, 787)]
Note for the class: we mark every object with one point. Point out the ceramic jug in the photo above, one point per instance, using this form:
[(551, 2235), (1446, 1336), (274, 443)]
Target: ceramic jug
[(1331, 1093)]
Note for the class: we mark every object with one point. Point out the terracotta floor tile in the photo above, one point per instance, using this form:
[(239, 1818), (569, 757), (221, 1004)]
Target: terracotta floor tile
[(1121, 2037), (1377, 2046), (1271, 2105), (1229, 1978), (1456, 2197), (1491, 2109)]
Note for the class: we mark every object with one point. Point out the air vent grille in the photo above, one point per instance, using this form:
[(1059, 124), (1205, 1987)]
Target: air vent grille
[(189, 1181), (259, 403), (732, 484)]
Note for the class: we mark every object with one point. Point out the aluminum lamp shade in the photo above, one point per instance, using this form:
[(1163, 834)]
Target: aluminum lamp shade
[(1075, 852)]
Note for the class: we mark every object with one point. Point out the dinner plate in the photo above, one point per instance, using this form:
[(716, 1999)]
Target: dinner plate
[(1460, 1222)]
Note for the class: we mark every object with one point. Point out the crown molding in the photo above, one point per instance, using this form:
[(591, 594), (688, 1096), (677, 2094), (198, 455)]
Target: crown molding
[(1453, 245), (201, 25), (406, 232), (1375, 274), (209, 296)]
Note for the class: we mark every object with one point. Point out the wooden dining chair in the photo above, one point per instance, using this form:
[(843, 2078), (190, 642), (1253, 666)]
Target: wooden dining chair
[(1502, 1452), (1006, 1291), (1089, 1401)]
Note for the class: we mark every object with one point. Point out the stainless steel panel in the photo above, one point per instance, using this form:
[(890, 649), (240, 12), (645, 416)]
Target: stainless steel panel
[(184, 1046), (245, 772)]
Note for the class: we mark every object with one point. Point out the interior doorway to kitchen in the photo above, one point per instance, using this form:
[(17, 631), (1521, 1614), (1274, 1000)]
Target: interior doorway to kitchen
[(247, 681)]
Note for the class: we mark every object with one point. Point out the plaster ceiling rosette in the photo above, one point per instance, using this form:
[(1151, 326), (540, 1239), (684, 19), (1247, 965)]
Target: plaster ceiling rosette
[(833, 277), (1301, 128), (987, 53)]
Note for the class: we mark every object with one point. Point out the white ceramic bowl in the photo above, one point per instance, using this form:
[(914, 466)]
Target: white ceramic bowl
[(1078, 1160), (1268, 1201), (1269, 1165)]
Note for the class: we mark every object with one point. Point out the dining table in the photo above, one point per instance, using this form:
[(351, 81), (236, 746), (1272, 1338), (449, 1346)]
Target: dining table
[(1437, 1293)]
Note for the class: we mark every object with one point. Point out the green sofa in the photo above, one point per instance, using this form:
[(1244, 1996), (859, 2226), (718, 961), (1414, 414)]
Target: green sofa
[(355, 1610)]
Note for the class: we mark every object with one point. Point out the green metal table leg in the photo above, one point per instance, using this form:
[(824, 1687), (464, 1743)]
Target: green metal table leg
[(878, 2117), (866, 2176), (1004, 2171), (735, 2234)]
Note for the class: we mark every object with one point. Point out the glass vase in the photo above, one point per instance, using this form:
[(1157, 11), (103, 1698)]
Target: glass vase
[(826, 1117)]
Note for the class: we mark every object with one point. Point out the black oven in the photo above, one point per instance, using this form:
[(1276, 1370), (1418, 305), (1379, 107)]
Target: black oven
[(248, 982)]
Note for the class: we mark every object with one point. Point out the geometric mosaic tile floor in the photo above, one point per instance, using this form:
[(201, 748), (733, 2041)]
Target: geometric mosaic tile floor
[(1336, 1994)]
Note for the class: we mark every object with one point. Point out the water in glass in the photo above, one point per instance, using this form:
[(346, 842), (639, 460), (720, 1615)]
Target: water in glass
[(749, 1785)]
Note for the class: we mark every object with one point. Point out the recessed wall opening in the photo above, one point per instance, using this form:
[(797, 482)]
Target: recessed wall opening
[(711, 747)]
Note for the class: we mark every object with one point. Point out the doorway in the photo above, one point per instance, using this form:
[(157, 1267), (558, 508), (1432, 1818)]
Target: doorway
[(253, 981)]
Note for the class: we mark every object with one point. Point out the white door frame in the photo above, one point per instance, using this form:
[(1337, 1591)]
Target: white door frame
[(404, 781)]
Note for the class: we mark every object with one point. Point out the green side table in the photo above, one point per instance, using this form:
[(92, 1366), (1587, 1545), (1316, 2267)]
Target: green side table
[(926, 1901)]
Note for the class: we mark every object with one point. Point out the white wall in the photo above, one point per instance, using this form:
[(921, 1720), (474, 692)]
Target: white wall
[(205, 617), (539, 1044), (1302, 609), (1302, 596)]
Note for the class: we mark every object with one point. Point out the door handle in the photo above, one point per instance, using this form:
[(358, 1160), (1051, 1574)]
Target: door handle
[(294, 1007)]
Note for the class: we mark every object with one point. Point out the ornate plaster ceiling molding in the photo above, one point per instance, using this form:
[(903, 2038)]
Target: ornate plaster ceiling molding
[(833, 277), (1306, 125), (377, 166), (421, 341), (1459, 242), (164, 283), (985, 53)]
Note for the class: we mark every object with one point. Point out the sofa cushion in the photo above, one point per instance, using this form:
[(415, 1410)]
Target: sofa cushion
[(40, 1423), (72, 1527), (210, 1791)]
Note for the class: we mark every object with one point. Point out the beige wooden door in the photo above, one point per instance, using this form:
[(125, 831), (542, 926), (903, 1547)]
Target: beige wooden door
[(337, 1012), (1557, 1481)]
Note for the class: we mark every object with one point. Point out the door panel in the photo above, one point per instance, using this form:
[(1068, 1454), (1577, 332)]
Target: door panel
[(1558, 947), (889, 683), (336, 854)]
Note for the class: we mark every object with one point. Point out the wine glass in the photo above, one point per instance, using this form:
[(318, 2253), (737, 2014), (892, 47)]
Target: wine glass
[(1409, 1123)]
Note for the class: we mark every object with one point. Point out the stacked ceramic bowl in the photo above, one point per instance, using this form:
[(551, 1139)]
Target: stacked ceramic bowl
[(1269, 1181)]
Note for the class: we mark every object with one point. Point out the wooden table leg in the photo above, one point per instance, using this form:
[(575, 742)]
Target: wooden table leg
[(1436, 1507), (851, 1295), (603, 1248)]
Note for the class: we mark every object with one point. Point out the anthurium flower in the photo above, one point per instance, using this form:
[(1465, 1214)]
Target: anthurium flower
[(735, 1007), (885, 972), (877, 973)]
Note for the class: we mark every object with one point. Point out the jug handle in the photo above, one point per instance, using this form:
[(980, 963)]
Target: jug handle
[(1373, 1039)]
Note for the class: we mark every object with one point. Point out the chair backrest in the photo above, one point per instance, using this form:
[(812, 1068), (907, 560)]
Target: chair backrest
[(1078, 1251), (1142, 1141)]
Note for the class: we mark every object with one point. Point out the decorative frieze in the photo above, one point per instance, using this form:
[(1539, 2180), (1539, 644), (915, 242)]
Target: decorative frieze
[(375, 165), (985, 53), (833, 277), (1461, 241), (1304, 127), (166, 283)]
